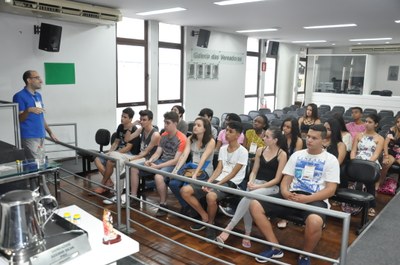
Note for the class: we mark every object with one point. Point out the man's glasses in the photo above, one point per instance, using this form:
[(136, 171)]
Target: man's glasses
[(35, 77)]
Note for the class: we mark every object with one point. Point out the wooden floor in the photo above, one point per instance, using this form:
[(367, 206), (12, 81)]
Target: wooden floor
[(156, 250)]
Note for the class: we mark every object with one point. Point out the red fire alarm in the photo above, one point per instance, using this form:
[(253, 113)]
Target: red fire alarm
[(263, 66)]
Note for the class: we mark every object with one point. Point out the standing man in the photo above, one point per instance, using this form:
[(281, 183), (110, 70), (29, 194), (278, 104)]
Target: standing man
[(31, 115), (310, 176)]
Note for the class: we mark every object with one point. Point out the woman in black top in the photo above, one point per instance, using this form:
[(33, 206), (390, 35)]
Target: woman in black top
[(264, 179), (310, 118)]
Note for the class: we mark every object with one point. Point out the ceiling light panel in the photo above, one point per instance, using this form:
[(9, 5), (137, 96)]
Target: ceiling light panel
[(236, 2), (161, 11), (309, 41), (256, 30), (331, 26), (370, 39)]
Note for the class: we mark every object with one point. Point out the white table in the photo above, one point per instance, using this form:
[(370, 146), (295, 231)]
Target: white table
[(100, 253)]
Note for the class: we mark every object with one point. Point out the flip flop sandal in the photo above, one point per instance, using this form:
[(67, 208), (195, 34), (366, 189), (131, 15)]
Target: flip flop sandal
[(246, 243)]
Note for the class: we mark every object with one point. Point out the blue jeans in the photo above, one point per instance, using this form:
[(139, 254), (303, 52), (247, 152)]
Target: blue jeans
[(176, 185)]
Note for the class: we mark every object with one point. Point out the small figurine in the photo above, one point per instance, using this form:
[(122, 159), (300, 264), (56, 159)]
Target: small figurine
[(110, 237)]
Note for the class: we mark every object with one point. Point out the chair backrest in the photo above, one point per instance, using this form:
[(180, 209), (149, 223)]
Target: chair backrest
[(102, 138), (271, 116), (246, 126), (215, 121), (385, 113), (276, 122), (338, 109), (264, 110), (347, 113), (369, 111), (293, 113), (190, 128), (364, 171), (376, 92), (245, 118), (254, 113), (323, 106), (300, 111), (286, 110), (278, 112)]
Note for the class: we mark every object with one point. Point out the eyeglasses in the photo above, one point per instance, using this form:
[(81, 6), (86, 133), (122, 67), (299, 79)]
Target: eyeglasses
[(35, 77)]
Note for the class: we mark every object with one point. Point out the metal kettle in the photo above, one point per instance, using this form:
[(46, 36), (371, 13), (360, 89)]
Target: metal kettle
[(22, 220)]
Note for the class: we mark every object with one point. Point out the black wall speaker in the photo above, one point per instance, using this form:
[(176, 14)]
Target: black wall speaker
[(50, 37), (273, 48), (204, 37)]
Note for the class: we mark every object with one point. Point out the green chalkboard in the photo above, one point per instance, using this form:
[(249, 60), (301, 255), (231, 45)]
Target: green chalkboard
[(59, 73)]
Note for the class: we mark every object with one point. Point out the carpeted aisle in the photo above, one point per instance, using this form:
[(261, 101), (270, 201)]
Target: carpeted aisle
[(380, 242)]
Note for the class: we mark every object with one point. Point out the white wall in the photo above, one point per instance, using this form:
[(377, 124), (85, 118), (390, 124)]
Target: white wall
[(285, 83), (381, 82), (225, 94), (91, 101), (375, 79)]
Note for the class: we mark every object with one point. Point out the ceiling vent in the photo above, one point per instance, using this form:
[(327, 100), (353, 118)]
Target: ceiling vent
[(389, 48), (62, 10)]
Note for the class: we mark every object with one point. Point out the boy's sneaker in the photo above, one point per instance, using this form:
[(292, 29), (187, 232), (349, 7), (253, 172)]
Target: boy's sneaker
[(161, 212), (270, 253), (113, 200), (197, 227), (227, 210), (303, 260), (211, 233)]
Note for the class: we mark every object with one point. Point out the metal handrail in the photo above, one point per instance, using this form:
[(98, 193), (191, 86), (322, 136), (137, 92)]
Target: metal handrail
[(340, 215), (336, 214)]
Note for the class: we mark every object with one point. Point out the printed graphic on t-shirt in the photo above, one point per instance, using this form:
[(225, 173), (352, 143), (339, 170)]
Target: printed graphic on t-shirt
[(308, 174)]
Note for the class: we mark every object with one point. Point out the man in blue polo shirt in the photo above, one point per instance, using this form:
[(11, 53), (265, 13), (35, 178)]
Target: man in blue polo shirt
[(31, 115)]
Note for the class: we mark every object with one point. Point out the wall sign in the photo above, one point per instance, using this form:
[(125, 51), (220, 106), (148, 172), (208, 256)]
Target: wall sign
[(199, 55)]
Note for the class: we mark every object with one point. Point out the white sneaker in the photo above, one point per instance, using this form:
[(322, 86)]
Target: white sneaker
[(113, 200)]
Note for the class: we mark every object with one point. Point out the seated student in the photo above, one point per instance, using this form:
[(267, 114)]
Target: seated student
[(170, 148), (120, 149), (149, 138), (230, 172), (333, 141), (357, 125), (310, 118), (183, 126), (254, 137), (264, 179), (368, 145), (221, 140), (347, 139), (290, 128), (208, 114), (311, 177), (391, 150), (201, 146)]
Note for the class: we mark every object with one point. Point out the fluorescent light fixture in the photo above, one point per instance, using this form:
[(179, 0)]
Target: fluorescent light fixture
[(331, 26), (397, 21), (161, 11), (371, 39), (309, 41), (256, 30), (236, 2)]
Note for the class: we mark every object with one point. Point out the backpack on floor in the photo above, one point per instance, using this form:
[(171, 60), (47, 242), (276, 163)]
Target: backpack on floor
[(388, 187)]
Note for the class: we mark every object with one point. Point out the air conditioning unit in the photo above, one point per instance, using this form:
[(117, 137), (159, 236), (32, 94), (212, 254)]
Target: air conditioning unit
[(62, 10), (389, 48)]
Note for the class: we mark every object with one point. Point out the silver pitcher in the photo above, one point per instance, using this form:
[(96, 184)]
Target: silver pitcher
[(23, 217)]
